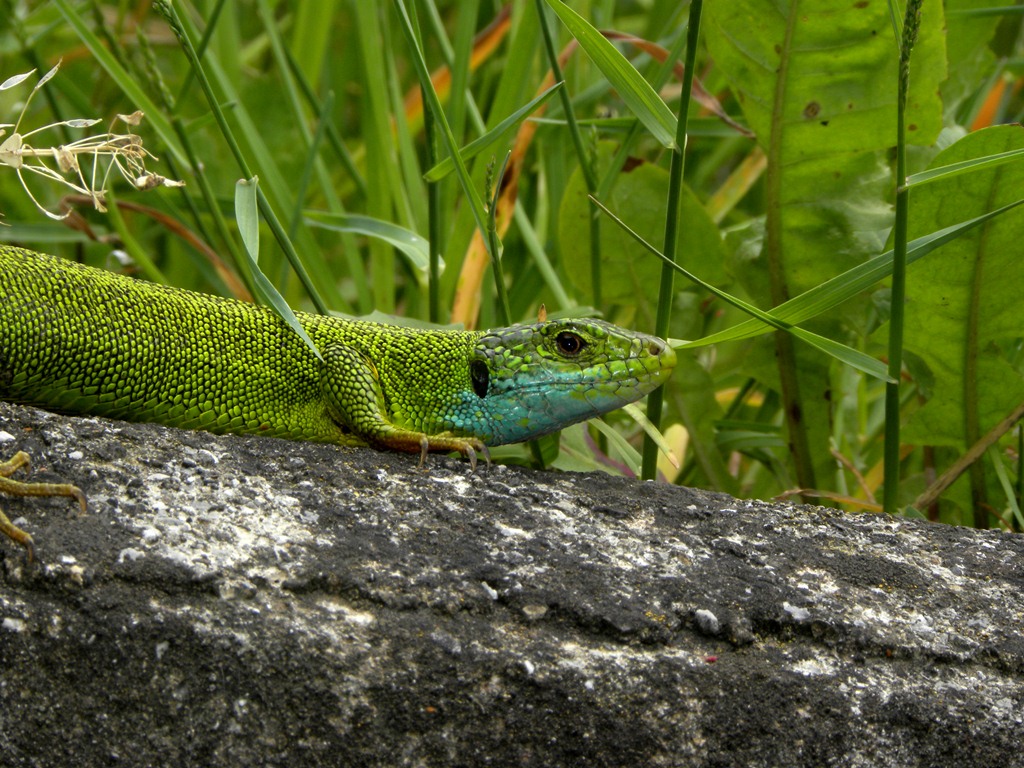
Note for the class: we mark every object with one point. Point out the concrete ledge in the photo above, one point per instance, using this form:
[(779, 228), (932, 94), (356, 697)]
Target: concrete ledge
[(232, 601)]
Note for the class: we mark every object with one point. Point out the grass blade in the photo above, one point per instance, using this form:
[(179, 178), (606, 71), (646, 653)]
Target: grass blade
[(641, 99), (955, 169), (247, 216), (673, 216), (842, 287), (405, 240), (474, 148), (840, 352), (473, 197)]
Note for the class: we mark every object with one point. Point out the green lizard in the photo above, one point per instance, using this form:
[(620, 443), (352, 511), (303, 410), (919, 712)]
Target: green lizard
[(80, 340)]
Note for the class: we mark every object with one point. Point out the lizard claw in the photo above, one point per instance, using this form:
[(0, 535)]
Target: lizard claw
[(468, 447), (18, 488), (18, 536)]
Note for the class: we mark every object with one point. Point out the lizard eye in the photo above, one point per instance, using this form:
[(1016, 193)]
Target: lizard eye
[(480, 376), (569, 344)]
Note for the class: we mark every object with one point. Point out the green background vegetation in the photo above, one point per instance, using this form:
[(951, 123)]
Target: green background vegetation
[(789, 183)]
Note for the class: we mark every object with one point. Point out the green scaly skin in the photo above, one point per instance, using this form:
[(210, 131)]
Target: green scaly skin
[(79, 340)]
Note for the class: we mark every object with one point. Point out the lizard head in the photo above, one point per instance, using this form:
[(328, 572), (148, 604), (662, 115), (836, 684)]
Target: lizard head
[(529, 380)]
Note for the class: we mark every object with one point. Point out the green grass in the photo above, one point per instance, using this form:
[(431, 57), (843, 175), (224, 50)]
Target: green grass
[(785, 198)]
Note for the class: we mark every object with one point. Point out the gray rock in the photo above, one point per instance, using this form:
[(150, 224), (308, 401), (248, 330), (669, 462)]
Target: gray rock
[(233, 601)]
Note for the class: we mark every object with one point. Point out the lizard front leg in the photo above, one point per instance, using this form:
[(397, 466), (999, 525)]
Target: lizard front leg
[(351, 387)]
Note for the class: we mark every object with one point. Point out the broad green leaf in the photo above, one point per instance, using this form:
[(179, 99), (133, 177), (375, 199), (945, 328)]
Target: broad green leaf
[(963, 303), (247, 216), (490, 138), (816, 81), (841, 288), (415, 248), (638, 94), (820, 75), (629, 275)]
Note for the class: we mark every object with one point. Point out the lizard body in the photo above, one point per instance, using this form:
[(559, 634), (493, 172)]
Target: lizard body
[(80, 340)]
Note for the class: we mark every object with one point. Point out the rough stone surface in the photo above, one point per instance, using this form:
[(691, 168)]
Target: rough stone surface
[(238, 601)]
